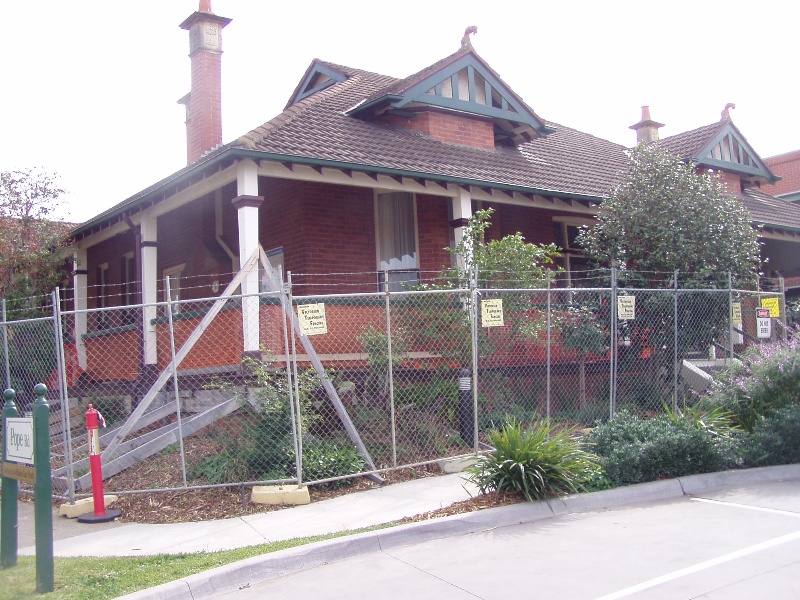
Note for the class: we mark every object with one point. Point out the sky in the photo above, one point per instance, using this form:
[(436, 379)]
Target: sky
[(90, 87)]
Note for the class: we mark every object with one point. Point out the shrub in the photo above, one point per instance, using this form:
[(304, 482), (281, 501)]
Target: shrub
[(539, 462), (634, 450), (766, 380), (323, 459), (776, 439)]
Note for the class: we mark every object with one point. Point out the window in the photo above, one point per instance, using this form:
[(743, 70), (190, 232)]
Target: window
[(103, 295), (565, 232), (128, 279), (397, 239), (275, 257), (173, 276)]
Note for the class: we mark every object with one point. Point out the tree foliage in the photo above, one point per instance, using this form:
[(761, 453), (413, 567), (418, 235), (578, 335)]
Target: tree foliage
[(442, 321), (33, 245), (664, 217)]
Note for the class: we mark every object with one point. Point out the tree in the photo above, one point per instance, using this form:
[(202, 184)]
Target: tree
[(664, 217), (33, 246), (34, 250)]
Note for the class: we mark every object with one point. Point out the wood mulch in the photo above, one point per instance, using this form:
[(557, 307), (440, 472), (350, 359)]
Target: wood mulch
[(180, 506)]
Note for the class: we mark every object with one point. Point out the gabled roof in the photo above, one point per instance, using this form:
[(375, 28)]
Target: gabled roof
[(315, 130), (566, 162), (317, 77), (461, 82), (720, 146)]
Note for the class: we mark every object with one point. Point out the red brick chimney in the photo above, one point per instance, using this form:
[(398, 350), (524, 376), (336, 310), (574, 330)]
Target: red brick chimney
[(646, 129), (204, 102)]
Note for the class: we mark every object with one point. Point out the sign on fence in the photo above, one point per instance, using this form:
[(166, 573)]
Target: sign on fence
[(312, 319), (626, 308), (736, 320), (492, 313), (763, 323), (774, 306)]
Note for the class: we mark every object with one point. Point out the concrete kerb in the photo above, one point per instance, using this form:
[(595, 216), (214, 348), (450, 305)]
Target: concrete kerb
[(261, 568)]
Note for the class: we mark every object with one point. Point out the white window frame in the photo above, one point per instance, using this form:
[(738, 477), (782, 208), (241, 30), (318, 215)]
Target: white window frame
[(394, 286)]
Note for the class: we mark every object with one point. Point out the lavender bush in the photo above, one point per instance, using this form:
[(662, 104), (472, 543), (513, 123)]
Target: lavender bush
[(766, 380)]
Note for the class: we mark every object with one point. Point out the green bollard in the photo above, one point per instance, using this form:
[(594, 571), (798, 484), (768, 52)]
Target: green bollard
[(8, 496), (43, 492)]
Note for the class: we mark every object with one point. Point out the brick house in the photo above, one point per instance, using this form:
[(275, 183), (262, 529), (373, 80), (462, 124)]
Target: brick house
[(365, 173), (787, 167)]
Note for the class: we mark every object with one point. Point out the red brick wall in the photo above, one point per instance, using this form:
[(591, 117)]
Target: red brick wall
[(786, 166), (323, 228), (535, 224), (204, 122), (433, 231), (730, 181), (450, 128)]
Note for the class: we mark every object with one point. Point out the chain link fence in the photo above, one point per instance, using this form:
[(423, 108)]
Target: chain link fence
[(282, 388)]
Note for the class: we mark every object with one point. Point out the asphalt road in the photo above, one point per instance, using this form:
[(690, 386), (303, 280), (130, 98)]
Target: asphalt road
[(741, 543)]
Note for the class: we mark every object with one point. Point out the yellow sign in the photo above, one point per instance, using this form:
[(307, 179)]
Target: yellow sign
[(736, 313), (626, 308), (492, 313), (312, 319), (774, 306), (19, 472)]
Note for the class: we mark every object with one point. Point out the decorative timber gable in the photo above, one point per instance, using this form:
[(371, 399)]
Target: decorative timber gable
[(317, 78), (462, 85), (729, 151)]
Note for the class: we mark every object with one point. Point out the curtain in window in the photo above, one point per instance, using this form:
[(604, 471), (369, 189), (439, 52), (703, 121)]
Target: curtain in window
[(396, 235)]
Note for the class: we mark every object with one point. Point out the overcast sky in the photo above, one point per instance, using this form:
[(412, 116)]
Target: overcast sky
[(90, 87)]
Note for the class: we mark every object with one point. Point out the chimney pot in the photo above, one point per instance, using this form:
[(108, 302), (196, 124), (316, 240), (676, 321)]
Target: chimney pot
[(646, 129)]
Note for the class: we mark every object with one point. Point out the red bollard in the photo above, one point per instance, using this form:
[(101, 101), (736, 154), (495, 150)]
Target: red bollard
[(100, 515)]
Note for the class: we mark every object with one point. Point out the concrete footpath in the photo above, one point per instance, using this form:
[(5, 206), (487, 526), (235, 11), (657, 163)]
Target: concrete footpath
[(723, 535)]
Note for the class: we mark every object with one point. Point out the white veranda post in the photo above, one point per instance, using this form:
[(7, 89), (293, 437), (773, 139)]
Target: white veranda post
[(462, 211), (80, 284), (247, 204), (149, 262)]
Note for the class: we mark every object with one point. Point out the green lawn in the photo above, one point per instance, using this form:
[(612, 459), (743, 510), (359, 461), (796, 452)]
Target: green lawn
[(109, 577)]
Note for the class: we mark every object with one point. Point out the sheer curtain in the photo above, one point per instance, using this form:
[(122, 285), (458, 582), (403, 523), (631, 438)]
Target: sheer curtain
[(397, 241)]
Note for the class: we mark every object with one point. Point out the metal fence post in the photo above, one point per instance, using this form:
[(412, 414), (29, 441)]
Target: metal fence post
[(5, 347), (66, 433), (475, 357), (390, 365), (549, 340), (612, 393), (730, 319), (296, 408), (675, 349), (286, 303), (175, 378)]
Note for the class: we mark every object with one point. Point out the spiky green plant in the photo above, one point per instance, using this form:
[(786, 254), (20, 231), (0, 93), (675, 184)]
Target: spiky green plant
[(539, 461)]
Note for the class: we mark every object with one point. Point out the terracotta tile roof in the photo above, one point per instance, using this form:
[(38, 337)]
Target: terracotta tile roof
[(566, 162), (690, 143), (771, 211)]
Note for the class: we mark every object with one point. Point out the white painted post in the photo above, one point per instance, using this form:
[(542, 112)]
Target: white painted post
[(80, 285), (149, 275), (462, 211), (247, 203)]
